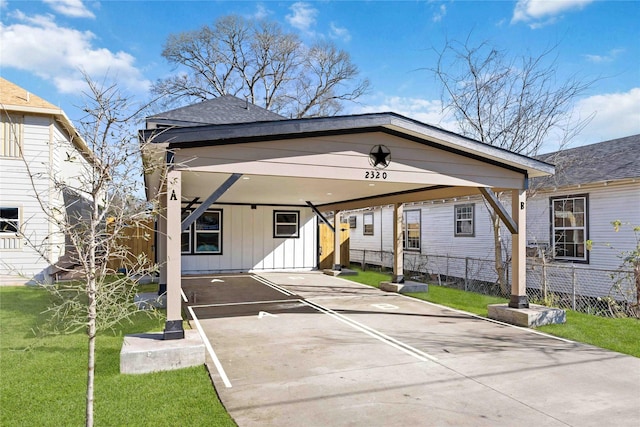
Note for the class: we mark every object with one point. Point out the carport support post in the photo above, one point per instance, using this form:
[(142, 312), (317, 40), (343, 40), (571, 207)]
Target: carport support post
[(161, 243), (398, 252), (337, 263), (519, 297), (173, 327)]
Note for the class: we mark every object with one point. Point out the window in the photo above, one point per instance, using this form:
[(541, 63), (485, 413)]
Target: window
[(286, 224), (185, 237), (352, 221), (9, 220), (10, 136), (463, 217), (204, 236), (367, 221), (569, 228), (411, 230), (207, 233)]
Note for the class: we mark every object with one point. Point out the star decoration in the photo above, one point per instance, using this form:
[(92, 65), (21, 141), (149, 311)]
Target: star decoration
[(379, 156)]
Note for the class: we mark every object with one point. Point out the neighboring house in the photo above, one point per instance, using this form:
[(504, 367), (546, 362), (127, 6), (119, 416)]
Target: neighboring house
[(37, 143), (593, 186)]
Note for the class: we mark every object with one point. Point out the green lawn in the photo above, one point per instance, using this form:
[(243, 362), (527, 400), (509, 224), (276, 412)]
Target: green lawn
[(43, 379), (621, 335)]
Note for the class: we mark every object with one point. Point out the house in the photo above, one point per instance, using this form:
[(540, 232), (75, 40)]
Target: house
[(243, 190), (37, 144), (593, 186)]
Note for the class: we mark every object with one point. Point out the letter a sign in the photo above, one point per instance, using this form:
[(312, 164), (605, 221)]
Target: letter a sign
[(173, 195)]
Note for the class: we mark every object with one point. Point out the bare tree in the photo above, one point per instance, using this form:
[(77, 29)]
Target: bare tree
[(97, 203), (259, 61), (516, 104)]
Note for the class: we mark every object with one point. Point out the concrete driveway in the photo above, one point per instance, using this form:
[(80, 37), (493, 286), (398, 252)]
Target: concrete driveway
[(306, 349)]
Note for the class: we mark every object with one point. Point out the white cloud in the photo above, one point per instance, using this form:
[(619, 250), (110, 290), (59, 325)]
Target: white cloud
[(340, 33), (616, 115), (423, 110), (609, 57), (261, 12), (36, 44), (538, 13), (442, 11), (303, 16), (72, 8)]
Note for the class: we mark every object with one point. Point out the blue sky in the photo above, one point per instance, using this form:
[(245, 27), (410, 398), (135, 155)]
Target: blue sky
[(44, 44)]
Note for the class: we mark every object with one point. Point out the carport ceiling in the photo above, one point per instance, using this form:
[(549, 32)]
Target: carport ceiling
[(278, 190)]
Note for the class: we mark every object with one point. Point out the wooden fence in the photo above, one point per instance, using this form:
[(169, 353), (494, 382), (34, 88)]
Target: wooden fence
[(137, 240), (327, 246)]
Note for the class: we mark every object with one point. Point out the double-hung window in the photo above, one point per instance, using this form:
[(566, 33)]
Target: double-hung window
[(464, 220), (185, 237), (286, 224), (208, 233), (204, 236), (367, 224), (411, 230), (569, 227)]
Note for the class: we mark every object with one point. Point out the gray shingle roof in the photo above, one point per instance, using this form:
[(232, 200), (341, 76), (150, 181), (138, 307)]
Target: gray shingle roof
[(611, 160), (226, 109)]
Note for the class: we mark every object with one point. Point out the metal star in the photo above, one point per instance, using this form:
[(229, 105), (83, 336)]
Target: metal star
[(380, 156)]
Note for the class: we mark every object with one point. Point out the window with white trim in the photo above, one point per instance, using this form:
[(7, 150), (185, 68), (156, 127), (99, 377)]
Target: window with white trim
[(569, 216), (464, 220), (286, 224), (367, 224), (9, 220), (207, 233), (411, 230), (185, 236), (11, 134)]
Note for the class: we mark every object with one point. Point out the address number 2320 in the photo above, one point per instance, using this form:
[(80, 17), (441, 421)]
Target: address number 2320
[(375, 175)]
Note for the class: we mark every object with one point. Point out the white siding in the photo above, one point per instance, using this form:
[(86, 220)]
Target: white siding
[(248, 243), (20, 262), (45, 147), (606, 204)]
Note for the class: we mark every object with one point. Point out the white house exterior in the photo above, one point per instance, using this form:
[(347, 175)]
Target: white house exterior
[(594, 185), (243, 189), (37, 142)]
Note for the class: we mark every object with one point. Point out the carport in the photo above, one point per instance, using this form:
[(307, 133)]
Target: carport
[(305, 168)]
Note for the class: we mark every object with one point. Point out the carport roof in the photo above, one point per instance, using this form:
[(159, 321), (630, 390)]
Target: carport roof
[(391, 123)]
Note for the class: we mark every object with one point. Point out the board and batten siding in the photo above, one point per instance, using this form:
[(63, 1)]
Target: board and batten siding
[(248, 243)]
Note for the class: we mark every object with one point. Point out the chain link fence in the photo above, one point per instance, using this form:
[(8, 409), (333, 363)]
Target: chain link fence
[(595, 291)]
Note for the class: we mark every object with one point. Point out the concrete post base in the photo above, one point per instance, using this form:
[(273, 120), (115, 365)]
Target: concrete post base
[(341, 272), (403, 288), (535, 315), (144, 353)]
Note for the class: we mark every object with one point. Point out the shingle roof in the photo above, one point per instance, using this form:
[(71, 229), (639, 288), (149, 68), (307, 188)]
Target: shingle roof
[(611, 160), (226, 109), (12, 95)]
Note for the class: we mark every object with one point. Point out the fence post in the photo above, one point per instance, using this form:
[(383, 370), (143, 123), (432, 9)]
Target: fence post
[(447, 268), (364, 260), (544, 281), (466, 273), (573, 286)]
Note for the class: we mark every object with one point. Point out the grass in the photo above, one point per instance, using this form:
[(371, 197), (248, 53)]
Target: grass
[(621, 335), (43, 379)]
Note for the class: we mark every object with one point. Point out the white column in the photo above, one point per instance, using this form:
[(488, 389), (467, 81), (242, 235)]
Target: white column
[(173, 327), (518, 250), (398, 251), (337, 263)]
